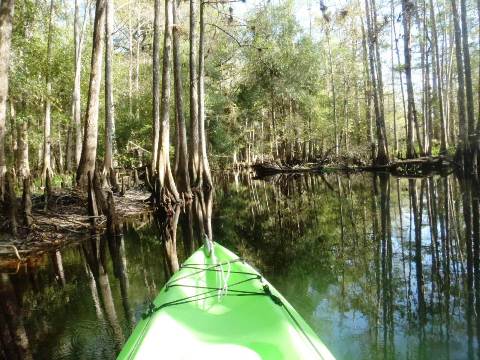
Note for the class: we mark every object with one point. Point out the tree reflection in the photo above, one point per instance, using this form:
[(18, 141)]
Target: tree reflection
[(116, 246), (415, 271), (14, 343), (94, 252)]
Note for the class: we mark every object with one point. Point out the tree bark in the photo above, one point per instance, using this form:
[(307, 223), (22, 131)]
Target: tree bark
[(477, 140), (156, 87), (470, 136), (182, 175), (333, 94), (463, 139), (402, 90), (194, 158), (437, 81), (6, 18), (165, 175), (411, 112), (392, 63), (109, 105), (47, 137), (130, 62), (368, 93), (13, 131), (382, 157), (77, 111), (90, 134), (23, 168), (204, 174), (137, 66)]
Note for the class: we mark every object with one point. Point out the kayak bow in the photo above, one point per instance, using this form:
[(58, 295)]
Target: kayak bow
[(219, 307)]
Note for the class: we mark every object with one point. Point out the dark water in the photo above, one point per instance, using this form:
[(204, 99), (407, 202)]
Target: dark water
[(380, 267)]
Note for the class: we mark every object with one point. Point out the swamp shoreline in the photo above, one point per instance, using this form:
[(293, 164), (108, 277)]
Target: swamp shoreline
[(67, 219)]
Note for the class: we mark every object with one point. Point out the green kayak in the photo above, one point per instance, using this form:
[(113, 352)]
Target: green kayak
[(219, 307)]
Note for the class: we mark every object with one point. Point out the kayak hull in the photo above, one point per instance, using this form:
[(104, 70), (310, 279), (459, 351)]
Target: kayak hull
[(218, 307)]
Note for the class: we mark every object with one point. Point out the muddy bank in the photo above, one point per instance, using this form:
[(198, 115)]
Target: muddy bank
[(66, 220)]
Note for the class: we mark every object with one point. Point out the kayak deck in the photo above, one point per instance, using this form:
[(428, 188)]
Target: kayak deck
[(219, 307)]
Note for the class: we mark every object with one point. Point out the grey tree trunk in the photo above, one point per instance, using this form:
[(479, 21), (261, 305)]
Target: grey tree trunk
[(69, 150), (130, 63), (411, 112), (137, 67), (164, 170), (194, 158), (392, 64), (477, 146), (156, 87), (367, 92), (468, 83), (204, 173), (181, 174), (382, 157), (23, 167), (334, 97), (47, 136), (378, 68), (437, 81), (77, 111), (6, 18), (402, 90), (90, 133), (463, 135), (13, 130), (109, 105)]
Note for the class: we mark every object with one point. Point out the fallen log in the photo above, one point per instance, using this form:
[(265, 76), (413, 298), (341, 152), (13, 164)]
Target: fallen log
[(266, 169)]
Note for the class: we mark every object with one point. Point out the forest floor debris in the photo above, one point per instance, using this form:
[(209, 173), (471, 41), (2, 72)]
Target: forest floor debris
[(409, 167), (66, 220)]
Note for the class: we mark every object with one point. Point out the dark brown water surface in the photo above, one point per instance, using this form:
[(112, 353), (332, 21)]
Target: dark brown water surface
[(380, 267)]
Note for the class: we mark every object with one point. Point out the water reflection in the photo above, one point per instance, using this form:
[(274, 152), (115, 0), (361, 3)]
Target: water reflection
[(14, 339), (381, 267)]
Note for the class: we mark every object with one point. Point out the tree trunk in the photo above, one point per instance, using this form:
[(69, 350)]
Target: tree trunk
[(47, 137), (194, 158), (90, 134), (470, 136), (164, 170), (13, 132), (130, 62), (421, 136), (402, 90), (477, 146), (69, 147), (109, 105), (137, 67), (204, 175), (437, 81), (382, 157), (156, 87), (182, 175), (378, 68), (463, 140), (6, 17), (23, 168), (368, 93), (392, 63), (77, 111), (411, 112), (333, 94)]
